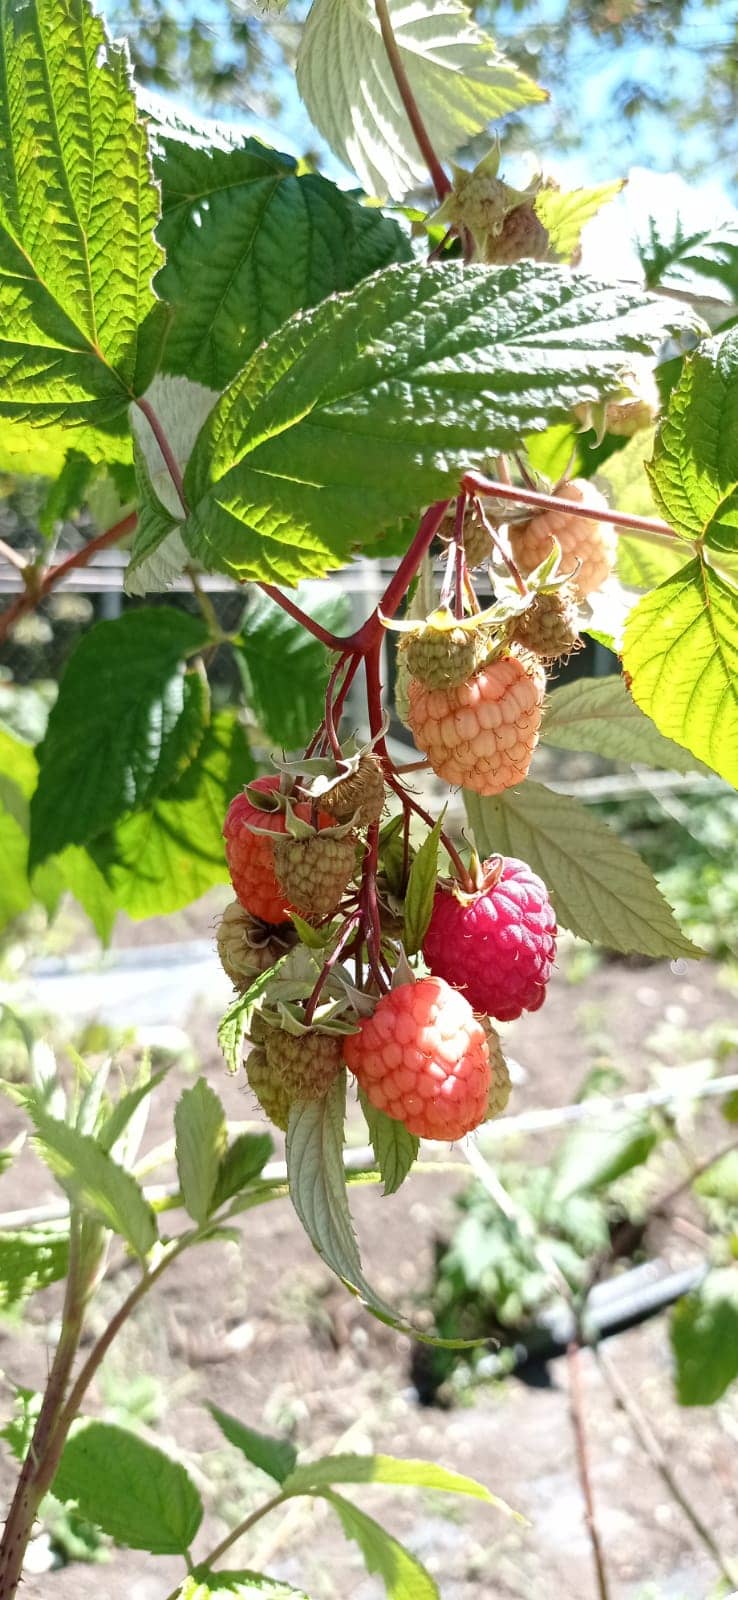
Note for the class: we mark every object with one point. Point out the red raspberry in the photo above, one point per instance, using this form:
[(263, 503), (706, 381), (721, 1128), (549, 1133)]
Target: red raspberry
[(593, 543), (422, 1057), (250, 855), (481, 733), (497, 945)]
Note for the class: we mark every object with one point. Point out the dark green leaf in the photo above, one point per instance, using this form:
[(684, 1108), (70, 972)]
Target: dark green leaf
[(368, 407), (286, 669), (260, 240), (66, 494), (395, 1149), (160, 859), (421, 889), (242, 1162), (201, 1137), (704, 1339), (127, 721), (276, 1457), (136, 1493), (403, 1577), (93, 1182), (77, 212)]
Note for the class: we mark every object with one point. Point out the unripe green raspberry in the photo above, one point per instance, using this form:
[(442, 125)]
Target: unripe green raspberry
[(247, 946), (549, 626), (359, 795), (290, 1067), (499, 1090), (440, 655), (314, 872), (478, 546)]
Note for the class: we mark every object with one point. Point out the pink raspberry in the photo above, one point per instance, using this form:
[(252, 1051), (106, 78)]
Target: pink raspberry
[(497, 945), (422, 1057), (481, 733), (593, 543)]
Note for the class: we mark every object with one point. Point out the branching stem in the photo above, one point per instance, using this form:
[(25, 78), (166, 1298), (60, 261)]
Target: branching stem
[(37, 591)]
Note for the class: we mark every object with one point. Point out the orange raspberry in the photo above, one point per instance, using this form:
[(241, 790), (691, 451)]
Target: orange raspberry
[(422, 1057), (481, 734), (250, 855), (593, 543)]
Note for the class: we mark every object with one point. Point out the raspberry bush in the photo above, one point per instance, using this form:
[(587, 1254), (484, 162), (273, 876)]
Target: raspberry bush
[(436, 396)]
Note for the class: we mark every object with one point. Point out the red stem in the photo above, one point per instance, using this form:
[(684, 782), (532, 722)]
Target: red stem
[(79, 558), (462, 871), (166, 451), (475, 485), (351, 923), (332, 640), (441, 183), (365, 638), (330, 724), (513, 570)]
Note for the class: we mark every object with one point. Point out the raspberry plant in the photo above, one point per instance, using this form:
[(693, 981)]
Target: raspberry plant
[(240, 368)]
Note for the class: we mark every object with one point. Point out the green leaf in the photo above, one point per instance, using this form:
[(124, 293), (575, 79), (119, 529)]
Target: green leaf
[(720, 1181), (459, 79), (421, 888), (117, 1121), (30, 1259), (564, 215), (694, 474), (364, 409), (681, 650), (67, 493), (127, 721), (599, 715), (674, 263), (641, 565), (242, 1162), (590, 1158), (234, 1024), (328, 1470), (600, 888), (77, 212), (704, 1339), (30, 451), (163, 858), (285, 669), (243, 217), (94, 1182), (136, 1493), (403, 1577), (276, 1457), (206, 1585), (395, 1149), (201, 1138), (318, 1182)]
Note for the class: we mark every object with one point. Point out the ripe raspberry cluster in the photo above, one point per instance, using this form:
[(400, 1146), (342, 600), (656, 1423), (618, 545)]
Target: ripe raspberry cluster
[(314, 940)]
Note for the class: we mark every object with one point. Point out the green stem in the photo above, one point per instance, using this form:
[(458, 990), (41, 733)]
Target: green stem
[(235, 1534)]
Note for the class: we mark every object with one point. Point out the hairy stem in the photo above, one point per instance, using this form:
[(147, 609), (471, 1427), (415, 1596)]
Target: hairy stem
[(476, 485), (439, 179), (165, 450), (47, 1443)]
